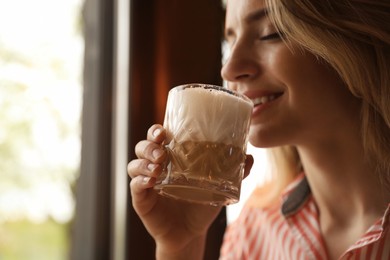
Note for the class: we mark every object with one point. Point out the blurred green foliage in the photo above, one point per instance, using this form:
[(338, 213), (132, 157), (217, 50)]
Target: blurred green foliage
[(24, 240)]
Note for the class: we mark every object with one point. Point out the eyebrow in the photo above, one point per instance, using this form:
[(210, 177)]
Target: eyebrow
[(256, 15), (250, 18)]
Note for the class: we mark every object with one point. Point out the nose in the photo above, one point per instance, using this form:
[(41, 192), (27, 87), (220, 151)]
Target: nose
[(241, 65)]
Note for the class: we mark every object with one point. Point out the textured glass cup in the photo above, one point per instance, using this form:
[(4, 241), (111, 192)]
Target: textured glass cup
[(207, 134)]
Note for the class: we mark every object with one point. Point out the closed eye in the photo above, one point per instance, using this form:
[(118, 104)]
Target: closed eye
[(230, 35), (271, 36)]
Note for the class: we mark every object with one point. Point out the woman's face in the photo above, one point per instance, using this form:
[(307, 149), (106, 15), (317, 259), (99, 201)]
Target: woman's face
[(298, 98)]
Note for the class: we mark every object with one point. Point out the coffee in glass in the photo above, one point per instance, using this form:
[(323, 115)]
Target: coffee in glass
[(207, 133)]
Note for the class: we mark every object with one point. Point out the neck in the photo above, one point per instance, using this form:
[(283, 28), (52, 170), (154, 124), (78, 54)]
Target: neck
[(347, 189), (345, 185)]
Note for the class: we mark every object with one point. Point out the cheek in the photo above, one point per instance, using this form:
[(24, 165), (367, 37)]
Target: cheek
[(283, 59), (306, 78)]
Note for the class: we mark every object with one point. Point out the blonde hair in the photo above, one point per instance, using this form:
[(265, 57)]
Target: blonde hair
[(353, 36), (284, 167)]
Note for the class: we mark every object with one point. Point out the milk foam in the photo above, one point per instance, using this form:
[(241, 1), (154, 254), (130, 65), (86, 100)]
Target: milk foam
[(200, 114)]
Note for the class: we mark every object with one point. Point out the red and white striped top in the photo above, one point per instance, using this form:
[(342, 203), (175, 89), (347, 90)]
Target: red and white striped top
[(293, 232)]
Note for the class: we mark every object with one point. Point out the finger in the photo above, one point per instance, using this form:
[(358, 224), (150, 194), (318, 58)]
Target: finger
[(140, 183), (151, 151), (156, 133), (143, 167), (248, 164), (141, 190), (142, 193)]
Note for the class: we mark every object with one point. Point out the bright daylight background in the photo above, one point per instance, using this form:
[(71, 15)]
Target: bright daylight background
[(41, 54)]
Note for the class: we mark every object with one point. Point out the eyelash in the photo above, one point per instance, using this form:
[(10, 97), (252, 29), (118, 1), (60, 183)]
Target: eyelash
[(271, 36)]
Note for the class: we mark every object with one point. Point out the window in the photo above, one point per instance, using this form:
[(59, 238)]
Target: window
[(41, 50)]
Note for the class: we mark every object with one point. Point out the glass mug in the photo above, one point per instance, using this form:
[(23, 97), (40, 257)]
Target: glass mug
[(207, 134)]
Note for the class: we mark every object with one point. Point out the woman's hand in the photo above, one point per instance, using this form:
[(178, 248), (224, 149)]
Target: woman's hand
[(177, 227)]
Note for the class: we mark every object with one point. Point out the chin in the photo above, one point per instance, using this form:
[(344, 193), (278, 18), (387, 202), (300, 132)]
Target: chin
[(257, 141), (262, 139)]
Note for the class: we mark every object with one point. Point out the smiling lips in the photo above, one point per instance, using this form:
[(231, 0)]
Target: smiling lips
[(265, 99)]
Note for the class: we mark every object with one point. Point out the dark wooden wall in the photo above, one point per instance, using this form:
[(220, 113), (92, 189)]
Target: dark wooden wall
[(173, 42)]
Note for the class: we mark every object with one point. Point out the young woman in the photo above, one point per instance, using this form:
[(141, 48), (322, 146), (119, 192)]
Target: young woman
[(317, 71)]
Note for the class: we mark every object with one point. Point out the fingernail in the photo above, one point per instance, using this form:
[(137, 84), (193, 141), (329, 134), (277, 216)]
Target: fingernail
[(145, 180), (157, 153), (156, 132), (152, 166)]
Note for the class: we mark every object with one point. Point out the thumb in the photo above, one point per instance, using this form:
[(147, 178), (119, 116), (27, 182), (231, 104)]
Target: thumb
[(248, 164)]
